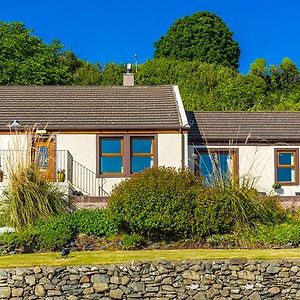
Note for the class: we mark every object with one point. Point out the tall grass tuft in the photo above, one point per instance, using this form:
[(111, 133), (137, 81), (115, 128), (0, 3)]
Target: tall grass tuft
[(28, 196), (235, 205)]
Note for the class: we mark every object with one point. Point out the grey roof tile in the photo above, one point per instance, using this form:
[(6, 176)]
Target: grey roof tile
[(89, 107), (258, 127)]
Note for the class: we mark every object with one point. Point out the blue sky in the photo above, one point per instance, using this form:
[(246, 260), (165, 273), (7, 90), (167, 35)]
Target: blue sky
[(113, 31)]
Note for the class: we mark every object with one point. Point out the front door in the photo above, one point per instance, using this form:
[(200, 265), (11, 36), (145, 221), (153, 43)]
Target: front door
[(45, 159)]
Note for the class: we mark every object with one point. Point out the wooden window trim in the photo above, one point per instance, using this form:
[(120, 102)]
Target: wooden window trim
[(295, 166), (126, 152), (121, 154), (234, 151), (137, 154)]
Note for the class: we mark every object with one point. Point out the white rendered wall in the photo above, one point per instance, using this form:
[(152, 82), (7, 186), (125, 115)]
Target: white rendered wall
[(13, 142), (7, 159), (257, 163), (172, 152), (81, 146)]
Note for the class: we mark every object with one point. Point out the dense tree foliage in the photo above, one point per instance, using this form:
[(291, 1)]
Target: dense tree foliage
[(211, 87), (202, 36), (197, 81), (87, 74), (112, 74), (26, 59)]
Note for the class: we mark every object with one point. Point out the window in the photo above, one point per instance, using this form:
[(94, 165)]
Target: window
[(216, 164), (141, 154), (286, 166), (111, 155), (43, 157), (125, 154)]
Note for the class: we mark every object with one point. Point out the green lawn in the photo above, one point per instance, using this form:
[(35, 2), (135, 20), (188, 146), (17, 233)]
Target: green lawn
[(110, 257)]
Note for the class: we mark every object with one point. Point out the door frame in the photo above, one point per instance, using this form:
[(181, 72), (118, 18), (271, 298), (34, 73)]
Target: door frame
[(50, 144)]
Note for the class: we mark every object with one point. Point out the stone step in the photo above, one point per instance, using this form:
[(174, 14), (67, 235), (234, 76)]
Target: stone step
[(90, 202)]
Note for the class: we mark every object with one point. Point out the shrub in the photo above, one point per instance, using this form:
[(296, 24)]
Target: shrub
[(131, 242), (232, 205), (271, 211), (223, 241), (93, 222), (57, 232), (54, 233), (19, 239), (157, 203), (278, 234), (162, 203)]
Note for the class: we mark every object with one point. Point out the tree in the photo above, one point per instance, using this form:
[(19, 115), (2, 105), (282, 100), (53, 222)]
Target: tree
[(241, 93), (25, 59), (197, 81), (69, 59), (285, 75), (289, 101), (202, 36), (259, 68), (112, 74), (87, 74)]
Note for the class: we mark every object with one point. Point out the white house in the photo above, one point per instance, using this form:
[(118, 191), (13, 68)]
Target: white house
[(262, 147), (101, 135), (97, 135)]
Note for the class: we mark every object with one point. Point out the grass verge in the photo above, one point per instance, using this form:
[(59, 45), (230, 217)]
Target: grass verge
[(115, 257)]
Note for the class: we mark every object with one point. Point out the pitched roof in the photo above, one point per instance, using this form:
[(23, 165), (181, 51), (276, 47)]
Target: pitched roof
[(262, 127), (90, 107)]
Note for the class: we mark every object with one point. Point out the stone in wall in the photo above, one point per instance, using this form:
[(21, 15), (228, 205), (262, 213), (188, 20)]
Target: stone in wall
[(199, 280)]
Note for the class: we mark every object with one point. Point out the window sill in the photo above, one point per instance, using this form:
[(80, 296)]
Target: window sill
[(119, 175), (112, 175), (288, 184)]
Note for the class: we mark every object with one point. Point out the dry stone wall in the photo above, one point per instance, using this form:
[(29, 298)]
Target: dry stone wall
[(234, 279)]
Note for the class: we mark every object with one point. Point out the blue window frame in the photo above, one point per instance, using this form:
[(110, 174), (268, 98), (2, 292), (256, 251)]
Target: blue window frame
[(111, 155), (215, 165), (286, 166), (142, 154)]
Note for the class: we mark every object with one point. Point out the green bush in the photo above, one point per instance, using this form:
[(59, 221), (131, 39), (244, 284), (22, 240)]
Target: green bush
[(57, 232), (157, 203), (278, 234), (223, 241), (229, 206), (54, 233), (19, 239), (162, 203), (131, 242), (93, 222)]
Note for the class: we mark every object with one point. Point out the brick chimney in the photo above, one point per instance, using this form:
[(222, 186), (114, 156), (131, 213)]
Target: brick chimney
[(128, 77)]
